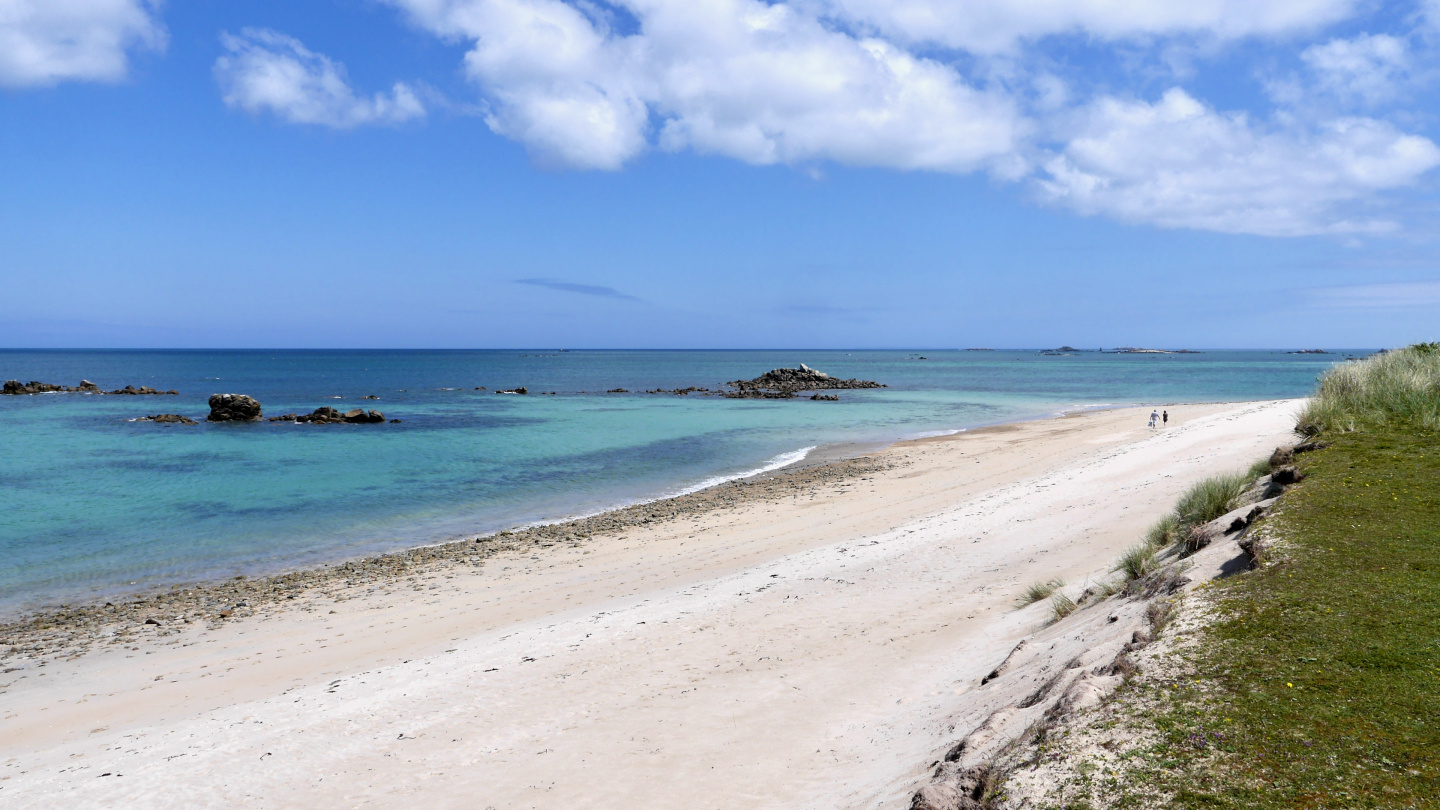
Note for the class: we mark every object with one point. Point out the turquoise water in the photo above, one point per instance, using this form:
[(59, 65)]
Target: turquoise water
[(94, 504)]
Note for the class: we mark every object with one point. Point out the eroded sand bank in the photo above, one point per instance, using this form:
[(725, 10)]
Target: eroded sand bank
[(814, 650)]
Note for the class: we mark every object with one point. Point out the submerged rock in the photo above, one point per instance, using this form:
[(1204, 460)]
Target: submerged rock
[(233, 408), (168, 418), (326, 415)]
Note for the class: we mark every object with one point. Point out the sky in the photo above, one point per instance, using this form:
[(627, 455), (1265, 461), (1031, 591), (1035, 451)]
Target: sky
[(719, 173)]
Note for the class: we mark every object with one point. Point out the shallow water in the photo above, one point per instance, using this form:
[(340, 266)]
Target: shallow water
[(95, 504)]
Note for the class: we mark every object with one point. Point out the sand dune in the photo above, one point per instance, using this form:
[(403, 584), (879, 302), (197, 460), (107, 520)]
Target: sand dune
[(817, 651)]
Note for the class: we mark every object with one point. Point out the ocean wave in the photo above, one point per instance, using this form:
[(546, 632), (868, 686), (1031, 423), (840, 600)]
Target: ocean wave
[(933, 434), (776, 463)]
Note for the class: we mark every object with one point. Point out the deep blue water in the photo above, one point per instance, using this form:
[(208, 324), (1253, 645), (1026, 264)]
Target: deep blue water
[(94, 504)]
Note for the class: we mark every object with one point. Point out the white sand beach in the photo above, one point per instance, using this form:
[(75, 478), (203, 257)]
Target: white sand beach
[(816, 652)]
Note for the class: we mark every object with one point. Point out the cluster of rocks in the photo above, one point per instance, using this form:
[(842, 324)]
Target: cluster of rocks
[(241, 408), (522, 390), (330, 416), (15, 388), (168, 418), (784, 383)]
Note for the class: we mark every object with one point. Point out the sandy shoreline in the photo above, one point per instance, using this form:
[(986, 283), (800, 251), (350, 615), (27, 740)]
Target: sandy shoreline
[(801, 639)]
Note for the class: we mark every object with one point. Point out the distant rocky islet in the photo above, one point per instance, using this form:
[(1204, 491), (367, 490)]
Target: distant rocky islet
[(16, 388)]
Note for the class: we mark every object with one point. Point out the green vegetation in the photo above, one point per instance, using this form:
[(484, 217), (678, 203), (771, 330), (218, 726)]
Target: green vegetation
[(1137, 561), (1040, 590), (1166, 532), (1319, 684), (1210, 499), (1061, 606), (1400, 388)]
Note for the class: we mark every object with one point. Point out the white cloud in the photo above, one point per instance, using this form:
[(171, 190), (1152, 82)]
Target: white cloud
[(741, 78), (265, 71), (808, 81), (1179, 164), (1367, 68), (44, 42), (992, 26)]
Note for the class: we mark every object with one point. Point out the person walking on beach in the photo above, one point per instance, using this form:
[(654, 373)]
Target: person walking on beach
[(1154, 417), (1165, 417)]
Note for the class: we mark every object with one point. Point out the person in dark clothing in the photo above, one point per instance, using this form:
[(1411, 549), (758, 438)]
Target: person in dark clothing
[(1165, 417)]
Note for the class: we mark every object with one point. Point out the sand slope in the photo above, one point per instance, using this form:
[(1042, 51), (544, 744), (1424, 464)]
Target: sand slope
[(815, 652)]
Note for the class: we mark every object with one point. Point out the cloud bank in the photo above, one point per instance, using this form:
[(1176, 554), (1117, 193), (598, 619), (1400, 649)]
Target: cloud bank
[(44, 42), (265, 71), (860, 83)]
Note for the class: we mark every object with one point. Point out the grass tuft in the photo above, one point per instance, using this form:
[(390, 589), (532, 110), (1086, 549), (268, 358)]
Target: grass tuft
[(1040, 590), (1165, 532), (1061, 606), (1399, 387), (1209, 499), (1136, 562)]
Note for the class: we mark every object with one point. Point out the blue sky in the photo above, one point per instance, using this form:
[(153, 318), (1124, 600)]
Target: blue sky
[(718, 173)]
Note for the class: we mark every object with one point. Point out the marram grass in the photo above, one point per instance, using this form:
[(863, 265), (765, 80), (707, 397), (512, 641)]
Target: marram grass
[(1040, 590), (1400, 387)]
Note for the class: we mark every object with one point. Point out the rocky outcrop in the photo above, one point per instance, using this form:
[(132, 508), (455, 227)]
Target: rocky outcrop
[(168, 418), (233, 408), (15, 388), (131, 390), (783, 383), (522, 390), (329, 416), (825, 398)]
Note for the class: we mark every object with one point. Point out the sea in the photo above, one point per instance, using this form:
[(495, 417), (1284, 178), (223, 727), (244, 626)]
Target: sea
[(97, 505)]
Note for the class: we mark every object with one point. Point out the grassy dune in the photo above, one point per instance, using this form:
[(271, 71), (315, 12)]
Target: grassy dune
[(1321, 679)]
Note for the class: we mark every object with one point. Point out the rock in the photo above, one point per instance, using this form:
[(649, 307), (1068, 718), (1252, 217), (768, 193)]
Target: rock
[(617, 391), (89, 387), (168, 418), (370, 396), (1281, 457), (1285, 476), (358, 416), (791, 380), (1254, 546), (521, 390), (233, 408), (825, 398), (13, 387), (155, 622), (394, 421)]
